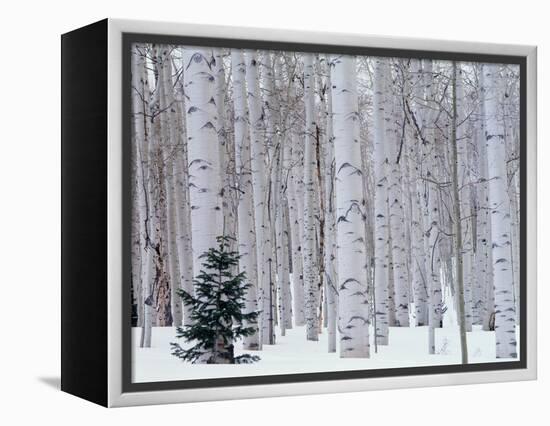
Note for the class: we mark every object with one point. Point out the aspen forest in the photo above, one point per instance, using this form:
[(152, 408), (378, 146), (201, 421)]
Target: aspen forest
[(366, 209)]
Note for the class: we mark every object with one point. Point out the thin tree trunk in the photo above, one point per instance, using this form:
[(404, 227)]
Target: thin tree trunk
[(380, 201), (259, 184), (458, 227), (505, 315), (168, 132), (396, 216), (311, 273), (246, 231)]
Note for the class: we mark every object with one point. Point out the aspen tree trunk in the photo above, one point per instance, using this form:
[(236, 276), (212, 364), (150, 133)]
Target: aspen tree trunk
[(137, 262), (175, 276), (515, 227), (145, 158), (396, 217), (271, 113), (481, 271), (320, 174), (458, 225), (311, 273), (511, 122), (391, 287), (246, 231), (168, 133), (283, 283), (505, 315), (331, 281), (367, 219), (140, 107), (418, 253), (464, 191), (138, 132), (227, 166), (135, 232), (380, 211), (419, 276), (284, 192), (259, 184), (203, 156), (431, 217), (161, 295), (183, 212), (484, 237), (353, 287), (298, 142), (296, 224)]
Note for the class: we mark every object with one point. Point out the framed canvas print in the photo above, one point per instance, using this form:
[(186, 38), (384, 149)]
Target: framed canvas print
[(253, 213)]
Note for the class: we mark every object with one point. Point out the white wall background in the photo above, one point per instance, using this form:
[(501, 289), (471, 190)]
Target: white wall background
[(29, 210)]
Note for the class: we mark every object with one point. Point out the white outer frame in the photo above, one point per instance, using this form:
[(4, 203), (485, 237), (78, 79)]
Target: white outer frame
[(116, 397)]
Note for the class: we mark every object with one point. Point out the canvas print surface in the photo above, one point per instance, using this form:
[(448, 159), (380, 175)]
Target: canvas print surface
[(297, 212)]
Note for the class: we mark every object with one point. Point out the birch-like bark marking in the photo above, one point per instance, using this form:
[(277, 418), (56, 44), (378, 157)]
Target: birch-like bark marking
[(203, 152), (484, 228), (226, 151), (283, 274), (431, 217), (311, 273), (286, 308), (459, 276), (183, 210), (505, 312), (259, 184), (380, 199), (395, 207), (169, 137), (140, 108), (418, 255), (161, 292), (246, 230), (331, 273), (296, 225), (464, 188), (352, 287)]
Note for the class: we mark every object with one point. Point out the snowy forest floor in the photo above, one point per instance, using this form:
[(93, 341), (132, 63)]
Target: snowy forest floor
[(294, 354)]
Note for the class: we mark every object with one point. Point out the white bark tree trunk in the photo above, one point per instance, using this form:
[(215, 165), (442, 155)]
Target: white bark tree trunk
[(283, 273), (418, 253), (311, 272), (226, 151), (259, 184), (183, 211), (170, 142), (464, 187), (431, 217), (161, 292), (203, 152), (352, 287), (140, 107), (457, 217), (505, 315), (331, 274), (380, 202), (246, 231), (395, 204), (296, 225)]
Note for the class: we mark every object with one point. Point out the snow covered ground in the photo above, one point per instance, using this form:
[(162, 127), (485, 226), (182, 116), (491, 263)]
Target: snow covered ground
[(293, 354)]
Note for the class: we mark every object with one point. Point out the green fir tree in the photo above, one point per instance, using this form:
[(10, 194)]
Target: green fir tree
[(217, 309)]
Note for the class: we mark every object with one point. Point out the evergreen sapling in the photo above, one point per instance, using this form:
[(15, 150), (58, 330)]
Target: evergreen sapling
[(217, 318)]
